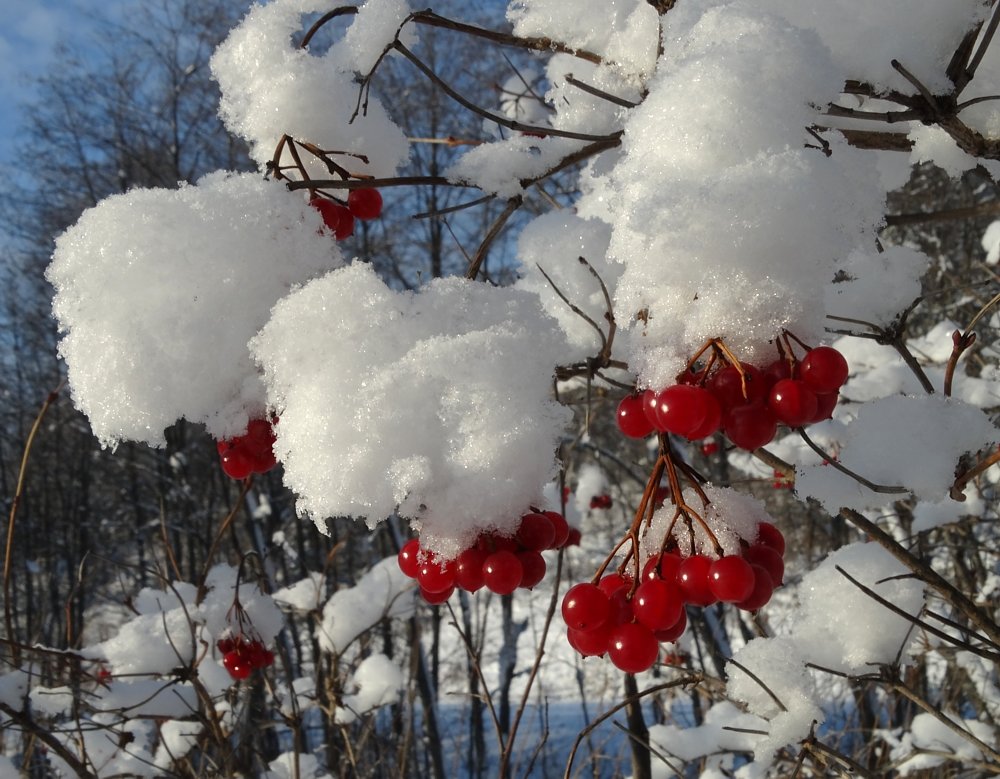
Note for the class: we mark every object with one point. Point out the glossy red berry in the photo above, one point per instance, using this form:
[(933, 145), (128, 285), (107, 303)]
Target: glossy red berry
[(237, 663), (731, 579), (673, 633), (585, 606), (769, 535), (751, 426), (762, 590), (365, 203), (237, 463), (345, 223), (825, 404), (733, 389), (632, 648), (436, 575), (469, 569), (437, 598), (768, 559), (535, 532), (632, 419), (407, 558), (692, 576), (658, 604), (682, 409), (532, 568), (792, 402), (560, 529), (589, 643), (824, 369), (502, 572), (329, 210)]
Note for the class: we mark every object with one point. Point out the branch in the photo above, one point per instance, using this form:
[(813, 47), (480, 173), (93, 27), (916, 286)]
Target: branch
[(951, 594), (512, 205)]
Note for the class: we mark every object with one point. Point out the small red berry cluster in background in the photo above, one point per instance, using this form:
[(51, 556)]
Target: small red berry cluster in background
[(600, 501), (364, 203), (252, 452), (746, 402), (499, 563), (242, 655), (628, 620)]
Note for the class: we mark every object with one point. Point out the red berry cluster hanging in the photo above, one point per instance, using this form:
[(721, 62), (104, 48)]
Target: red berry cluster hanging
[(628, 613), (744, 401), (364, 203), (502, 564), (252, 452), (242, 655)]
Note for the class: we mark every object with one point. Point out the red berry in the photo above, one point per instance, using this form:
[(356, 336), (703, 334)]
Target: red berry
[(658, 604), (365, 203), (574, 538), (237, 463), (692, 576), (768, 559), (825, 404), (763, 587), (469, 569), (585, 606), (733, 389), (237, 663), (649, 404), (437, 598), (329, 210), (824, 369), (682, 409), (502, 572), (632, 648), (535, 532), (731, 579), (612, 582), (600, 502), (670, 564), (632, 419), (709, 447), (532, 567), (589, 642), (751, 426), (769, 535), (712, 421), (560, 528), (673, 633), (226, 644), (775, 372), (436, 575), (345, 224), (408, 558), (792, 402)]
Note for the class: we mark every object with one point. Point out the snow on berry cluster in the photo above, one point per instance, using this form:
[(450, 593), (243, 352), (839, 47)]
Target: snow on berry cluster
[(746, 402), (500, 563)]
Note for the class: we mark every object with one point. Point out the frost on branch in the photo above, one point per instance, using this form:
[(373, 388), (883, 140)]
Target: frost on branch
[(475, 360), (158, 292)]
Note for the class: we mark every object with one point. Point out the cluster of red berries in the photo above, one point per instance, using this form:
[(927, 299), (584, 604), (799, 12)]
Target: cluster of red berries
[(241, 655), (628, 621), (746, 402), (364, 203), (499, 563), (252, 452)]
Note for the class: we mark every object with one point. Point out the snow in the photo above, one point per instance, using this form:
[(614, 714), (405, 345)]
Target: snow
[(477, 359), (158, 291), (718, 217), (378, 681), (384, 591), (271, 88)]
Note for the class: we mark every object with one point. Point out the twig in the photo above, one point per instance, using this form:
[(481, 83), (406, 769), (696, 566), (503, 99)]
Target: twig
[(759, 681), (498, 224), (959, 601), (884, 489), (957, 491), (12, 518), (592, 90), (994, 656)]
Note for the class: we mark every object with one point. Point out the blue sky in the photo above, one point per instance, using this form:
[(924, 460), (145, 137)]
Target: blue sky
[(28, 38)]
